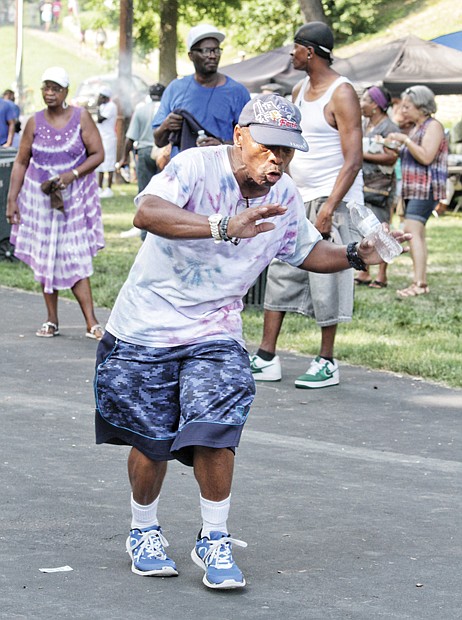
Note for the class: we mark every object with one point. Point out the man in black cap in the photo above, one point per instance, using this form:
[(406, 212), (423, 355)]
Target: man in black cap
[(173, 378), (327, 176), (140, 139)]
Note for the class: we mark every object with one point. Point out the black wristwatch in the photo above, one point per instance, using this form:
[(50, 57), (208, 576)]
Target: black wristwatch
[(354, 259)]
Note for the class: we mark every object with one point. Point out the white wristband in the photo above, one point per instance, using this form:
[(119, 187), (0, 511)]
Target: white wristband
[(75, 172)]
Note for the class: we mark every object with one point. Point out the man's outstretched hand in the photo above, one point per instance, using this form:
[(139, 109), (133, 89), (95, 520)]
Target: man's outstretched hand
[(368, 253), (244, 225)]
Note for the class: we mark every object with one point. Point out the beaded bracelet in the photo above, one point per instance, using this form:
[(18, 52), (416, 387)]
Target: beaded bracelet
[(224, 231), (353, 258)]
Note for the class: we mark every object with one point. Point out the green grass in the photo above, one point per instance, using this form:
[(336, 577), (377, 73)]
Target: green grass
[(42, 50), (416, 336)]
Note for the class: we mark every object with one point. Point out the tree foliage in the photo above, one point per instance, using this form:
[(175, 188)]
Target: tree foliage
[(252, 25), (349, 18), (261, 25)]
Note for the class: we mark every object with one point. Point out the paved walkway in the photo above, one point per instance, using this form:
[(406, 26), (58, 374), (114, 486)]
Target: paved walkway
[(349, 497)]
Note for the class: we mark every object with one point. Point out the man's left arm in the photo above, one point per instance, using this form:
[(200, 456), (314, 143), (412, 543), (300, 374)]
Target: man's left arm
[(347, 116), (327, 257)]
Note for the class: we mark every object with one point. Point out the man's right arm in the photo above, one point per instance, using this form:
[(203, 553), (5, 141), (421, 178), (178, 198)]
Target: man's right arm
[(11, 131), (171, 123)]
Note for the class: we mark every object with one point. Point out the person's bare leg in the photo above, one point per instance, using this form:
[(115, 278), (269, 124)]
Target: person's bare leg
[(272, 323), (327, 341), (82, 292), (382, 273), (418, 247), (213, 469), (363, 276), (146, 477), (51, 303), (100, 179), (110, 177)]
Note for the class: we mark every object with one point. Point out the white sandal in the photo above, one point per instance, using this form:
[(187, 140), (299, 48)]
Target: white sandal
[(48, 330), (96, 332)]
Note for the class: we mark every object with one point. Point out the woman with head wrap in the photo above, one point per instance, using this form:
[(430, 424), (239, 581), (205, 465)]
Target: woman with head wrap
[(378, 166)]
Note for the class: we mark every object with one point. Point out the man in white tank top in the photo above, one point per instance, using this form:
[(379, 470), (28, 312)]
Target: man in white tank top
[(327, 176)]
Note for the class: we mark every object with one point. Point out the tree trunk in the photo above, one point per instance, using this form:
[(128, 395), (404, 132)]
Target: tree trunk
[(168, 41), (125, 72), (312, 11)]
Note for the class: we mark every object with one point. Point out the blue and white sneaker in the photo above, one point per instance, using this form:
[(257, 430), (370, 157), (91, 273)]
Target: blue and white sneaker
[(214, 555), (146, 549)]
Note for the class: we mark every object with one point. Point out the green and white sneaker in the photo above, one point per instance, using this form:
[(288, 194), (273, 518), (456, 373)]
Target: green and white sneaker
[(265, 371), (321, 373)]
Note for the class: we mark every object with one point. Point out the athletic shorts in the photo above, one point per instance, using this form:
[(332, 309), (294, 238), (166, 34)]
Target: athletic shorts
[(164, 401), (328, 298), (419, 210)]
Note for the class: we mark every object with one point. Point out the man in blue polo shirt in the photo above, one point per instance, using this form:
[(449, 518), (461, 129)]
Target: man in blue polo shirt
[(7, 122), (213, 100)]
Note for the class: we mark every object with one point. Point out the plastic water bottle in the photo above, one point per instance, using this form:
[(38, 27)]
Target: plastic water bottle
[(371, 229), (201, 137)]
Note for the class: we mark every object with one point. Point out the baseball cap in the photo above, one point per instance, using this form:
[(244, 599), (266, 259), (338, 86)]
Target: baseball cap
[(105, 90), (56, 74), (318, 35), (203, 31), (273, 120)]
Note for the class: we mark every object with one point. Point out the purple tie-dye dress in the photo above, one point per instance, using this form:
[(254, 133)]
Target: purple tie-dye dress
[(58, 246)]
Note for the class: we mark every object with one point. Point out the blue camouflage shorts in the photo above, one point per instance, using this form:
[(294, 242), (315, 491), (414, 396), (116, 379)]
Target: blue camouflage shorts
[(165, 401)]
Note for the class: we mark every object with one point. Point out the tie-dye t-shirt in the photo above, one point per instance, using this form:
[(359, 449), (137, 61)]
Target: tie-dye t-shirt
[(185, 291)]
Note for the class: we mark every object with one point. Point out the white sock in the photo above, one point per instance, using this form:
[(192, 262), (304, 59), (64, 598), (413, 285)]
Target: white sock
[(214, 515), (144, 515)]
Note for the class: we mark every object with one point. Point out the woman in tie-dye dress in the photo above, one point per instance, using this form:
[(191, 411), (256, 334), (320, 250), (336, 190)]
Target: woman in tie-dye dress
[(58, 241)]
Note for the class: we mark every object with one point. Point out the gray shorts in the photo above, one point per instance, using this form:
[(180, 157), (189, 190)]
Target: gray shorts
[(328, 298)]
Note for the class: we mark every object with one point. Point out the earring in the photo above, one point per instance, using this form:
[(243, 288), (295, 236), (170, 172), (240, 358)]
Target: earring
[(65, 105)]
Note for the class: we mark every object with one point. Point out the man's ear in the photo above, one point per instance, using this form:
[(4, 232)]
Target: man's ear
[(237, 137)]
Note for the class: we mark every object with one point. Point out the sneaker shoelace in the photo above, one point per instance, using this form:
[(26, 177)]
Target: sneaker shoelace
[(219, 553), (316, 366), (151, 543)]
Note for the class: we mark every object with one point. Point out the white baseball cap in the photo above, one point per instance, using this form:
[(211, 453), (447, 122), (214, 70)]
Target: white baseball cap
[(203, 31), (105, 90), (56, 74)]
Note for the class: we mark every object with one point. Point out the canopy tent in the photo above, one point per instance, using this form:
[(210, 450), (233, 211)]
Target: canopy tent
[(272, 66), (398, 65), (453, 39), (422, 62)]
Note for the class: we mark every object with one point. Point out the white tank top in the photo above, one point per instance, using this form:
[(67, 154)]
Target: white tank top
[(316, 171)]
